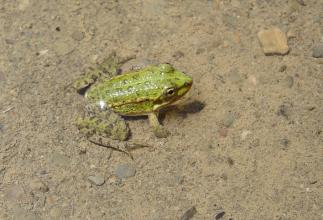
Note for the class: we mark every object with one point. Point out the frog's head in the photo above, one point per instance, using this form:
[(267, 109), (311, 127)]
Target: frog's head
[(174, 85)]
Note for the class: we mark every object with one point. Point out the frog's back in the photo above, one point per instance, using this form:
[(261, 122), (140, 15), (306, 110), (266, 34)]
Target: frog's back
[(136, 92), (130, 93)]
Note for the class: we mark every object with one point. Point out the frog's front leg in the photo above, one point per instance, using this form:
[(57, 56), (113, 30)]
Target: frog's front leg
[(158, 129)]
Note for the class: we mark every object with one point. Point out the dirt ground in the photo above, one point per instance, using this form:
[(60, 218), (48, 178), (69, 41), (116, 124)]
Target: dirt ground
[(248, 143)]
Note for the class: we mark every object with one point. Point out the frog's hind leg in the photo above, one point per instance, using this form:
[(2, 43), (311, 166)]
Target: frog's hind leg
[(108, 68), (105, 123), (107, 129)]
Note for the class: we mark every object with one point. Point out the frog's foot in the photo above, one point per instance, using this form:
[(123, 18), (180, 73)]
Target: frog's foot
[(112, 64), (161, 132), (158, 129), (125, 147), (87, 79)]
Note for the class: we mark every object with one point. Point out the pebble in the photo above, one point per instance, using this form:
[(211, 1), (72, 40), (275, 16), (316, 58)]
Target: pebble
[(188, 214), (223, 132), (228, 119), (230, 20), (2, 76), (219, 215), (273, 41), (283, 110), (284, 142), (234, 76), (318, 51), (97, 180), (178, 54), (282, 68), (58, 159), (114, 180), (301, 2), (78, 35), (15, 193), (125, 171), (245, 133), (288, 81), (38, 185), (1, 126), (64, 47), (23, 5), (55, 213), (21, 213)]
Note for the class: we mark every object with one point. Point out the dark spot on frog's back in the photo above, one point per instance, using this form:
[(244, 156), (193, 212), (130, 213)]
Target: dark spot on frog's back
[(135, 77)]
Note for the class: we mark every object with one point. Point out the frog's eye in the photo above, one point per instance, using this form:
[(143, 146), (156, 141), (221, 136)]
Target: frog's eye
[(170, 91)]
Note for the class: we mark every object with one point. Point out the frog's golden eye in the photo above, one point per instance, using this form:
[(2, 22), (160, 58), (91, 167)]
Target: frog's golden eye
[(170, 91)]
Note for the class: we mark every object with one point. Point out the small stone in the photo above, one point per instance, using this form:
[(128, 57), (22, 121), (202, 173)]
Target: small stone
[(284, 142), (55, 213), (178, 54), (1, 126), (97, 180), (9, 41), (78, 35), (125, 171), (64, 46), (234, 76), (188, 214), (2, 77), (230, 20), (223, 132), (282, 68), (23, 5), (228, 119), (15, 193), (318, 51), (114, 180), (291, 34), (301, 2), (58, 159), (51, 199), (283, 110), (226, 44), (219, 215), (21, 213), (288, 81), (245, 133), (273, 41), (38, 185)]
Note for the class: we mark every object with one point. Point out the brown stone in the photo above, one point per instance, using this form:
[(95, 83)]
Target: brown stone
[(273, 41)]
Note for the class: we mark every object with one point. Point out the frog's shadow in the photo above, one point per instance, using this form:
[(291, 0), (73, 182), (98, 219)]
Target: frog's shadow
[(189, 108)]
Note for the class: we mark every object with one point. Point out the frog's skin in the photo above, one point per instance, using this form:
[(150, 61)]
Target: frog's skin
[(137, 92)]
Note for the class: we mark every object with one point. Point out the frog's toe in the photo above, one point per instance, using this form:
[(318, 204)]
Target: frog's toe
[(161, 132)]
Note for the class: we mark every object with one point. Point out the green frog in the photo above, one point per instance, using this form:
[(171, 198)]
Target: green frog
[(140, 91)]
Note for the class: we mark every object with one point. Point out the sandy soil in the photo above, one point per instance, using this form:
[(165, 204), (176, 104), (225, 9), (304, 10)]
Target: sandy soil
[(249, 146)]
